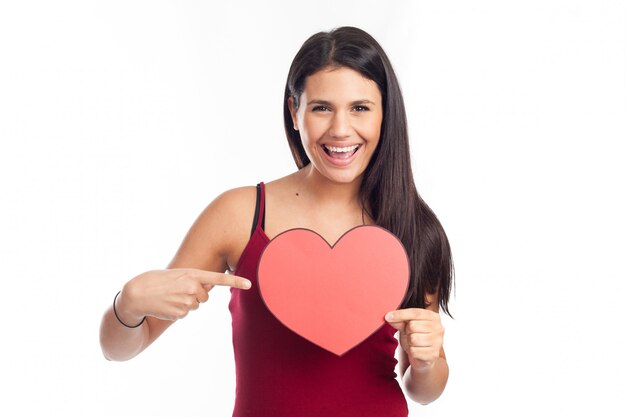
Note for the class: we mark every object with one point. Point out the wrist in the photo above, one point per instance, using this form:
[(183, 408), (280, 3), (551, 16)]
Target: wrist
[(124, 313), (418, 367)]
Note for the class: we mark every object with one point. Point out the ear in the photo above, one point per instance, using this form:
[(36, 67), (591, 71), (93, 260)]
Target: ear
[(432, 301), (292, 110)]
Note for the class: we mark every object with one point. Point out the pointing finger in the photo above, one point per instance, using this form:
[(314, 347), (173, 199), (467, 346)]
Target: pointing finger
[(216, 278), (209, 278)]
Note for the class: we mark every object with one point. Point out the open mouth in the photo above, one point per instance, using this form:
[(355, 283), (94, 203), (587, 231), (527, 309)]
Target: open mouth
[(340, 152)]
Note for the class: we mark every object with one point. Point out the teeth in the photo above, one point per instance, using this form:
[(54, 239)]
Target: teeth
[(346, 149)]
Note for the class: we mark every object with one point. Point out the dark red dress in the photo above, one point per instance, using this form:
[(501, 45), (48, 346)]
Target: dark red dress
[(281, 374)]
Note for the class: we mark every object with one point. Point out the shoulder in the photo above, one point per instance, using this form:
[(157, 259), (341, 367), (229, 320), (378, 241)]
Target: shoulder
[(234, 200), (219, 231), (230, 211), (238, 204)]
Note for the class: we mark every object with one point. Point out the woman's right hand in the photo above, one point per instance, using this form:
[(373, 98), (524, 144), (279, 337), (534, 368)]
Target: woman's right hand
[(170, 294)]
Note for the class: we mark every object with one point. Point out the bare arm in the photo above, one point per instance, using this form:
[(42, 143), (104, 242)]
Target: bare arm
[(164, 296), (425, 380), (424, 385)]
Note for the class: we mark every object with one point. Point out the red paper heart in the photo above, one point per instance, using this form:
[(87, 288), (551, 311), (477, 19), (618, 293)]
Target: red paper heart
[(334, 296)]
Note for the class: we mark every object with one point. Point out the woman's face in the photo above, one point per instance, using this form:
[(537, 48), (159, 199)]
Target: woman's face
[(339, 120)]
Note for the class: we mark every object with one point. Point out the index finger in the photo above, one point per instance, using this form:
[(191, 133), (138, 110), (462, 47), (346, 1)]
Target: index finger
[(409, 314), (218, 278)]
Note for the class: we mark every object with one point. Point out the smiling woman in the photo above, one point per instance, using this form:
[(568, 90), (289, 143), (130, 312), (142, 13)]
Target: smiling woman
[(346, 125), (339, 124)]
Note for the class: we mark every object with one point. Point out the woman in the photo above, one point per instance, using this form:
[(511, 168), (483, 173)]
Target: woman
[(346, 126)]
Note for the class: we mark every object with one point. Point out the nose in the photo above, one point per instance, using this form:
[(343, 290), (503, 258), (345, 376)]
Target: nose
[(340, 126)]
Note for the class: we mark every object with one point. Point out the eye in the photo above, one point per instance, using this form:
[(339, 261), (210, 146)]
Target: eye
[(361, 108), (320, 108)]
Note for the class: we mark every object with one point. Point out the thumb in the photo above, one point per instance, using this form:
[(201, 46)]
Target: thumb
[(395, 323)]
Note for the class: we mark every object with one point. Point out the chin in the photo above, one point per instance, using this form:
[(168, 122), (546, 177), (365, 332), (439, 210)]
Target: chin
[(346, 178), (335, 174)]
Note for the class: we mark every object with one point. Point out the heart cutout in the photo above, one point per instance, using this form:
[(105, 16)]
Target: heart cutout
[(334, 296)]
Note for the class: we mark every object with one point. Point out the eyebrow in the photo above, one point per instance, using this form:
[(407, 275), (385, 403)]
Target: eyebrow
[(328, 103)]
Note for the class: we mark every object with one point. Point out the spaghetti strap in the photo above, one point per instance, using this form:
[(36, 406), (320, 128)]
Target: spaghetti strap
[(259, 210), (262, 203)]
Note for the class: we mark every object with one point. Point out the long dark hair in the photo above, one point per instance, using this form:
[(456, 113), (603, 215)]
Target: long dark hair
[(387, 186)]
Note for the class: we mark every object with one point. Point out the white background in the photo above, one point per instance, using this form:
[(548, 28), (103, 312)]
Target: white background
[(121, 120)]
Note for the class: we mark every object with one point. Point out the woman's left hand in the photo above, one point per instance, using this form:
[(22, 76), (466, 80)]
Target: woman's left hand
[(421, 335)]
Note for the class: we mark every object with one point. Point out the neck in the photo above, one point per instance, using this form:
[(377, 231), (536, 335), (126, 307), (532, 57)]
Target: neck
[(325, 191)]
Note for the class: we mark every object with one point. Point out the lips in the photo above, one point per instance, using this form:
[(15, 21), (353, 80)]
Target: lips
[(340, 155)]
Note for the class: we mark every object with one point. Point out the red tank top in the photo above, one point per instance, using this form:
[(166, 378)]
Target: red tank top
[(281, 374)]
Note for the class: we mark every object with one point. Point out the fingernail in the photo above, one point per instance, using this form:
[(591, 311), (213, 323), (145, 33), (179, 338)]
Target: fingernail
[(389, 316), (247, 284)]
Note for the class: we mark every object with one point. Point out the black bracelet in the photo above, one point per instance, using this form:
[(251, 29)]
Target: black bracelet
[(118, 317)]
